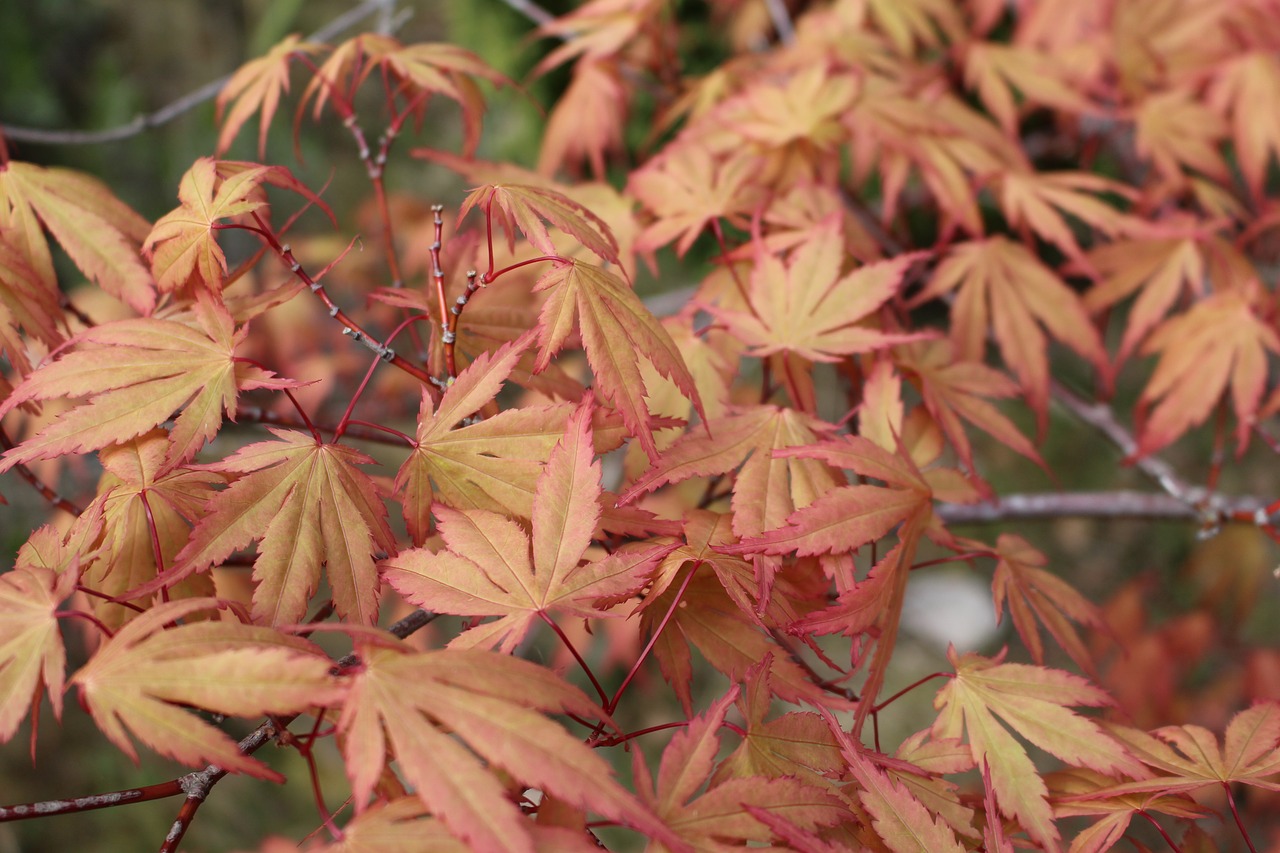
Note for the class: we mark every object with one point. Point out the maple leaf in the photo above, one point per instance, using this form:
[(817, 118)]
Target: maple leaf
[(846, 518), (1158, 270), (995, 70), (806, 307), (136, 682), (587, 121), (1004, 287), (137, 373), (1034, 701), (1242, 82), (31, 650), (492, 568), (1177, 131), (955, 390), (144, 503), (307, 505), (901, 820), (721, 817), (183, 243), (26, 304), (686, 190), (256, 87), (597, 29), (798, 743), (615, 328), (1220, 340), (1033, 593), (713, 619), (1071, 786), (908, 22), (1193, 759), (99, 232), (767, 488), (517, 206), (413, 703), (1034, 199)]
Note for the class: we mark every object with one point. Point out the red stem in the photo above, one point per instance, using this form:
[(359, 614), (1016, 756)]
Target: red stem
[(635, 668), (568, 644), (1235, 813)]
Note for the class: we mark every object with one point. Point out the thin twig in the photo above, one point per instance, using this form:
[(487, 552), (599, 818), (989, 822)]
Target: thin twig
[(532, 11), (178, 107), (1120, 503)]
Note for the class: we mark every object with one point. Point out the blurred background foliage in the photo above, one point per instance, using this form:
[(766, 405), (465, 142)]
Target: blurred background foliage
[(94, 64)]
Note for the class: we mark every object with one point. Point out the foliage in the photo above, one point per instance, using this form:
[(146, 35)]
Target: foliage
[(915, 211)]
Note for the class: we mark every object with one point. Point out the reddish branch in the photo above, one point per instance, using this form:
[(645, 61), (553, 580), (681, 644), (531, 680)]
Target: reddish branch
[(197, 785)]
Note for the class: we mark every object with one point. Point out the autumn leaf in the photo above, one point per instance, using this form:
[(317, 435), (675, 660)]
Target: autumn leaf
[(147, 509), (425, 706), (136, 374), (26, 304), (1037, 200), (1033, 701), (767, 488), (31, 650), (307, 505), (98, 231), (808, 308), (1071, 787), (995, 70), (1191, 758), (1176, 131), (587, 121), (524, 208), (720, 816), (1241, 85), (139, 680), (955, 391), (1219, 341), (687, 190), (1032, 594), (1003, 287), (183, 244), (492, 568), (615, 327), (256, 87), (596, 29)]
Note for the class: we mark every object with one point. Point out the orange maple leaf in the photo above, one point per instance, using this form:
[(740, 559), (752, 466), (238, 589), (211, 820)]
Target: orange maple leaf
[(138, 681), (1220, 340), (523, 208), (425, 706), (493, 568), (137, 373), (808, 308), (308, 505), (26, 304), (256, 87), (1034, 701), (615, 327), (686, 190), (31, 650), (98, 231), (723, 815), (1002, 286)]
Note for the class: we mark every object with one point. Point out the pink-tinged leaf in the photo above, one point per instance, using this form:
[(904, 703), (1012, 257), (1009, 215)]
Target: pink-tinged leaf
[(31, 650), (137, 682), (523, 208), (566, 504), (98, 231), (1033, 701), (615, 327), (256, 87), (137, 373), (445, 715)]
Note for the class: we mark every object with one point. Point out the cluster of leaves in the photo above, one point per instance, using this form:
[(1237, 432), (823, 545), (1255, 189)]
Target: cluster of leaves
[(787, 444)]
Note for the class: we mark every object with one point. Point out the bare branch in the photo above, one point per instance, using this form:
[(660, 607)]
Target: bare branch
[(1151, 506), (532, 11), (182, 105)]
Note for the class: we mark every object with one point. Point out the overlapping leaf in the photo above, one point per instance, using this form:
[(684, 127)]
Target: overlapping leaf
[(615, 327), (308, 505), (720, 817), (136, 374), (256, 88), (808, 308), (1220, 341), (31, 650), (98, 231), (136, 683), (492, 568), (1035, 702), (424, 707), (1002, 286), (523, 208)]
